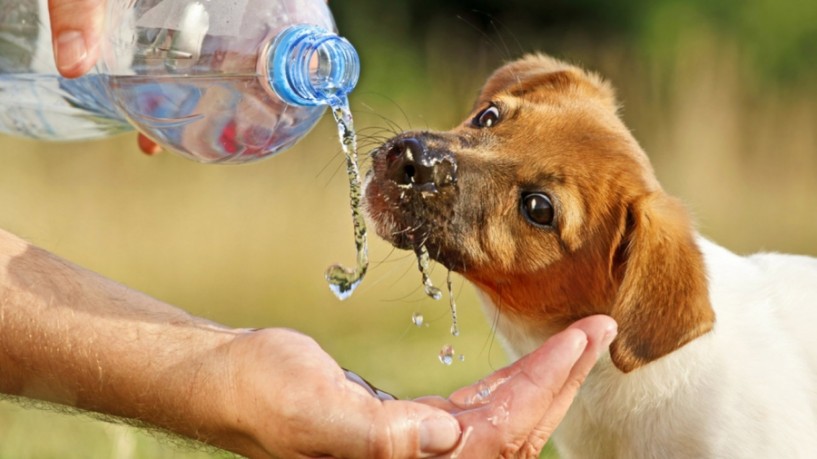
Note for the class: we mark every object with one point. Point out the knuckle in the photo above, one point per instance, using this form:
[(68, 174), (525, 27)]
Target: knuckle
[(381, 441), (526, 450), (573, 385), (539, 437)]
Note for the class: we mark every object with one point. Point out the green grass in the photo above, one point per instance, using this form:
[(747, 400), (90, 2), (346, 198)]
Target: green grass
[(39, 433)]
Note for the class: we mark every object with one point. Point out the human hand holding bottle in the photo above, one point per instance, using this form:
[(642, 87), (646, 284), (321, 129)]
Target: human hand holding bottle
[(76, 31), (240, 118)]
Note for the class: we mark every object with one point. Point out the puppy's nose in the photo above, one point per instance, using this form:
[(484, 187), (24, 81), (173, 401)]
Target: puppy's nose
[(411, 163)]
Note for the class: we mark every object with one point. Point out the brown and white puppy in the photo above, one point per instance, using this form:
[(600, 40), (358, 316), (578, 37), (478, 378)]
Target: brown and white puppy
[(546, 203)]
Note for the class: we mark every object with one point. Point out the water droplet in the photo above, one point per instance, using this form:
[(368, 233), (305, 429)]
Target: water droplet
[(501, 414), (417, 319), (480, 397), (343, 281), (447, 354)]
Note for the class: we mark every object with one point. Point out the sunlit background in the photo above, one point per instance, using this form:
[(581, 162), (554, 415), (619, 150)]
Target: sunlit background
[(722, 95)]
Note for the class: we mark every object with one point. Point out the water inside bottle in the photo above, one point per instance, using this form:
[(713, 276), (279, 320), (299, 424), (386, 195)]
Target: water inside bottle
[(344, 281), (51, 107), (225, 118)]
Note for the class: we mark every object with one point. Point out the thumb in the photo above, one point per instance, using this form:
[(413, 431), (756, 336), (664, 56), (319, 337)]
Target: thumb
[(76, 28), (395, 429)]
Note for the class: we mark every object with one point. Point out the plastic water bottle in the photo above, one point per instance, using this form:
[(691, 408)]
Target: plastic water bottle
[(226, 81)]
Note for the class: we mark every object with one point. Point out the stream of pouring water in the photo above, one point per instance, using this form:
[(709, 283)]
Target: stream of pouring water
[(455, 328), (423, 262), (447, 352), (344, 281)]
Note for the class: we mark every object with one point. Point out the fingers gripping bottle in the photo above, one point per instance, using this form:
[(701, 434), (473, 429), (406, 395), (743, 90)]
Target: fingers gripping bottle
[(226, 81)]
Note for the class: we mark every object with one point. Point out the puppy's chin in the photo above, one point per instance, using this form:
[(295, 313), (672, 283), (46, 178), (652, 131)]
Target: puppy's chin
[(412, 218)]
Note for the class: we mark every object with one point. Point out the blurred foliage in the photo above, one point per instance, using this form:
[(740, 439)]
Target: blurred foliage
[(774, 35), (722, 96)]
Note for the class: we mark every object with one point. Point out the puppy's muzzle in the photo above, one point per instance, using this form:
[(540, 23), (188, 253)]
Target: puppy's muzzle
[(411, 164)]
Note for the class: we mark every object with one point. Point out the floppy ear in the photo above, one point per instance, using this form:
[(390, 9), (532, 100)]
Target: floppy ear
[(663, 300), (538, 75)]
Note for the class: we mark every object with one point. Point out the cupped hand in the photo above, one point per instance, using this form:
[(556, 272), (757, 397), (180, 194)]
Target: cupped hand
[(513, 412), (289, 398)]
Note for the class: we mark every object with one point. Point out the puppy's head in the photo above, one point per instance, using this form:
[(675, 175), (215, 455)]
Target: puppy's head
[(543, 199)]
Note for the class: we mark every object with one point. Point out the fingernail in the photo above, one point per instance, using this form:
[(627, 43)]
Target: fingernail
[(70, 50), (438, 434), (609, 336), (579, 345)]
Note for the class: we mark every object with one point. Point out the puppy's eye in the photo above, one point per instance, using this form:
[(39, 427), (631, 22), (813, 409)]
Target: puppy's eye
[(486, 118), (538, 209)]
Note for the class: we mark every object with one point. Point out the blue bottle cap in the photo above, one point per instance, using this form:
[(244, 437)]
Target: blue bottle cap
[(310, 66)]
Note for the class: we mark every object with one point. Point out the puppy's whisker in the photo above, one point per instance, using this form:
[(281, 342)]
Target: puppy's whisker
[(376, 130), (371, 137), (397, 106), (341, 165), (393, 257), (491, 339), (337, 161), (371, 143), (500, 33), (393, 263), (392, 128), (402, 231), (412, 229), (487, 38), (392, 125), (372, 140)]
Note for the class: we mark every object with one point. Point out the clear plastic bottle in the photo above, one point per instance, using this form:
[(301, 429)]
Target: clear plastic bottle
[(215, 80)]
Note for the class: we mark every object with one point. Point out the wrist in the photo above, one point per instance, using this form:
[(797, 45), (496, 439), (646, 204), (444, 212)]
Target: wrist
[(255, 376), (192, 393), (221, 405)]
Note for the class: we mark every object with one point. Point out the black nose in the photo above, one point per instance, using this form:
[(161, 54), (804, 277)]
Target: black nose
[(411, 163)]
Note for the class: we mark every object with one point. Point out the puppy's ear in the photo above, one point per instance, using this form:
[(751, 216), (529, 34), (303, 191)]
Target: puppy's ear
[(663, 300), (538, 77)]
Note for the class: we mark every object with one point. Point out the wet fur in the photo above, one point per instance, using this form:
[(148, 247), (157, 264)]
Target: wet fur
[(688, 375)]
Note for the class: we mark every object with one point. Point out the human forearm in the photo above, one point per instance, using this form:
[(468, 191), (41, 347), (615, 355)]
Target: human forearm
[(72, 337)]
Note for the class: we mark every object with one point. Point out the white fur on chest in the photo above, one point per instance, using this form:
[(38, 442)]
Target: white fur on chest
[(748, 389)]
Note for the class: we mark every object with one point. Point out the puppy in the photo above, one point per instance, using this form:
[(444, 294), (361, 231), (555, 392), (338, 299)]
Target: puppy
[(546, 203)]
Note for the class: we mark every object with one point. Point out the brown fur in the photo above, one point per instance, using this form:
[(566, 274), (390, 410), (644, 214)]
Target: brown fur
[(619, 244)]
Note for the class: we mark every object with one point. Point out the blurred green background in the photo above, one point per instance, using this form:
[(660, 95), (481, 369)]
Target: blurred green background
[(722, 95)]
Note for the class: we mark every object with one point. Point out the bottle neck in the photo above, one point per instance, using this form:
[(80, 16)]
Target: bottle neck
[(308, 66)]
